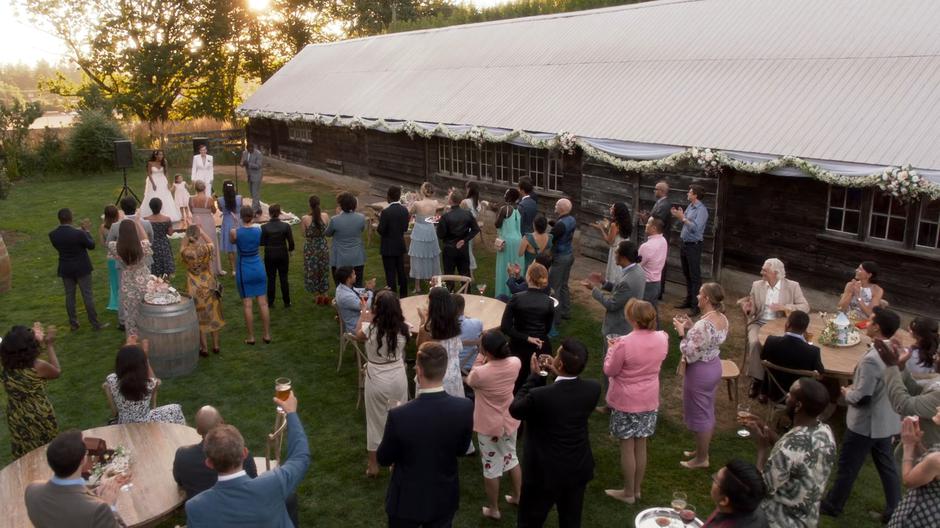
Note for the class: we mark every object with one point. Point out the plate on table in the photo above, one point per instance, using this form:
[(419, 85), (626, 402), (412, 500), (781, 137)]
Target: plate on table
[(854, 339), (662, 518), (433, 219)]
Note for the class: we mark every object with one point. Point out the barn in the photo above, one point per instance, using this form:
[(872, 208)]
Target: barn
[(813, 126)]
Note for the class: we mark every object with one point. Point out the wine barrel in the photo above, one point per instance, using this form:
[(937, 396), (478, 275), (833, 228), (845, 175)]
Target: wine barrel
[(6, 269), (173, 332)]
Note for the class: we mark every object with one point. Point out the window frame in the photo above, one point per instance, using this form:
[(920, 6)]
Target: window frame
[(916, 211), (500, 163)]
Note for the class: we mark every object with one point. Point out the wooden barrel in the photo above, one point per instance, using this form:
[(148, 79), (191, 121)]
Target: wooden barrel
[(6, 268), (173, 331)]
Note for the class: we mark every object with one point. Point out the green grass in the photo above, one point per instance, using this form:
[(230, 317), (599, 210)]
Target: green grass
[(335, 491)]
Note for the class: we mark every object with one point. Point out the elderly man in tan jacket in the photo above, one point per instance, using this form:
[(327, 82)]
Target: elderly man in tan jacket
[(770, 298)]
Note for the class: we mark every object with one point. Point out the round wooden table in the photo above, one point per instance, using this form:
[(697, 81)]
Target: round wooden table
[(486, 309), (154, 494), (839, 362)]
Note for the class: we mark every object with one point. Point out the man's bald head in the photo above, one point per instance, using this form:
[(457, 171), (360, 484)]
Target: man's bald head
[(207, 418), (563, 206), (662, 189)]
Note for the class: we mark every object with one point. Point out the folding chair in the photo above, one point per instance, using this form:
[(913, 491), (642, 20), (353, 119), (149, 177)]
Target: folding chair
[(461, 282)]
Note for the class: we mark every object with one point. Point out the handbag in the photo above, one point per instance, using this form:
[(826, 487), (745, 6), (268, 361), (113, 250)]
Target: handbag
[(499, 244)]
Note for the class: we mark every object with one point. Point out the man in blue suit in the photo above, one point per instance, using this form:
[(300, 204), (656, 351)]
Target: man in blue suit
[(237, 499), (423, 439)]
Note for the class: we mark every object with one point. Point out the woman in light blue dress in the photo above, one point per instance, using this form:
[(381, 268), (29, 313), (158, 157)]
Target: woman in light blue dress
[(229, 205), (507, 229), (424, 251)]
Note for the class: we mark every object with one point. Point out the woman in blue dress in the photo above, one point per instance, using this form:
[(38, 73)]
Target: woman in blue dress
[(229, 205), (250, 277)]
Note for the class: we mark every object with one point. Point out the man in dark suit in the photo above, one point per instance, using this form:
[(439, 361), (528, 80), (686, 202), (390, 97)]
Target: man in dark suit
[(74, 265), (278, 242), (557, 462), (791, 351), (455, 229), (65, 500), (423, 439), (528, 205), (393, 223), (238, 500), (661, 210)]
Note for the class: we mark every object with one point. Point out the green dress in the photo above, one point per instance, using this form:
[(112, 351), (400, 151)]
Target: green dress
[(510, 233), (30, 417), (530, 257)]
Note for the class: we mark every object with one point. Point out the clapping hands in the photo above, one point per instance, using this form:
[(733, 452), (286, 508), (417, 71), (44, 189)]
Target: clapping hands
[(911, 435)]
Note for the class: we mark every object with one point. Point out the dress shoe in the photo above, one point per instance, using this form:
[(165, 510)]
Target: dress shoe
[(100, 326), (73, 326)]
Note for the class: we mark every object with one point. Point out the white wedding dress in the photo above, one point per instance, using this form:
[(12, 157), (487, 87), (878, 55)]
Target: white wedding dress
[(162, 192)]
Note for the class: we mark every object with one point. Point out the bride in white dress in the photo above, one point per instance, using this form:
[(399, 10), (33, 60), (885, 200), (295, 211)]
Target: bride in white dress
[(157, 186)]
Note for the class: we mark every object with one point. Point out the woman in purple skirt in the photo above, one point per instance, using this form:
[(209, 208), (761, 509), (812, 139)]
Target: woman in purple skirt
[(700, 351)]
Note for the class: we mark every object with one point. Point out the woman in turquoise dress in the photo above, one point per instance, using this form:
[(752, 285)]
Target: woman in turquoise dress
[(250, 277), (507, 229), (538, 241), (111, 215)]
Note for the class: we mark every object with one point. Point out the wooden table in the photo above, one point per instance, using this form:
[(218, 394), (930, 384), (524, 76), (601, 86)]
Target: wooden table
[(154, 494), (486, 309), (839, 362), (378, 206)]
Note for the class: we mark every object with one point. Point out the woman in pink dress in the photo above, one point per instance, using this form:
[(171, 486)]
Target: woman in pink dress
[(700, 352), (632, 365)]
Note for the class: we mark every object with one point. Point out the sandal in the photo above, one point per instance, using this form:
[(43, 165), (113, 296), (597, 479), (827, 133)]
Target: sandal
[(251, 343), (203, 353), (216, 351)]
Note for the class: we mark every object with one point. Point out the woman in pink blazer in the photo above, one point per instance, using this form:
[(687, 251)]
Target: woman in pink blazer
[(632, 365), (492, 378)]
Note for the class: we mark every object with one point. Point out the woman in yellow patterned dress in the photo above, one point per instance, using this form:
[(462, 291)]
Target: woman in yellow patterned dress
[(30, 417), (202, 286)]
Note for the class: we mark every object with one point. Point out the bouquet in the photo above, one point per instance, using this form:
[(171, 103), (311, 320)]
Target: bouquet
[(707, 160), (112, 462), (902, 183), (158, 291)]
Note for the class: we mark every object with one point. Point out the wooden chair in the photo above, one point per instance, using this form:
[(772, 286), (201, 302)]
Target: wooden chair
[(461, 282), (780, 403), (730, 373), (273, 443), (110, 398), (345, 339), (372, 224)]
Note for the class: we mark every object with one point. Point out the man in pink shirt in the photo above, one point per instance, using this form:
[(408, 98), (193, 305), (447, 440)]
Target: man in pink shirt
[(654, 252)]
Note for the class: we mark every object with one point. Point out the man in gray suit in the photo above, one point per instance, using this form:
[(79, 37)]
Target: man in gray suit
[(251, 160), (65, 500), (613, 296), (870, 424)]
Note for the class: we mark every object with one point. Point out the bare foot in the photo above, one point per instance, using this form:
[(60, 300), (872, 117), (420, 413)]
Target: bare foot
[(689, 454), (491, 513), (372, 472), (512, 500), (693, 464), (620, 495)]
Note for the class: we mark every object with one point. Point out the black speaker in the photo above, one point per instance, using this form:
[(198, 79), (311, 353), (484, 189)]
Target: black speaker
[(123, 154), (197, 141)]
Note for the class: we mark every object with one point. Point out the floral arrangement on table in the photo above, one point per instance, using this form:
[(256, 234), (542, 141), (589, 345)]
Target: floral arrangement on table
[(111, 463), (829, 335), (902, 183), (159, 291)]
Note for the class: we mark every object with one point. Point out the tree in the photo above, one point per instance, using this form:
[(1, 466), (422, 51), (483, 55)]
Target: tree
[(145, 56), (15, 119), (371, 17)]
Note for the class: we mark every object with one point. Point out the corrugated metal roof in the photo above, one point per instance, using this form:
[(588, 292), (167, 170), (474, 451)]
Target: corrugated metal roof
[(846, 80)]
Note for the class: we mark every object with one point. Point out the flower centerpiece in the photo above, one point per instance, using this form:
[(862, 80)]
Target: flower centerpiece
[(158, 291), (839, 332), (112, 462), (902, 183)]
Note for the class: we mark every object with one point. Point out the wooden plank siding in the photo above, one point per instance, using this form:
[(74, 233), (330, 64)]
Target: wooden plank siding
[(770, 216)]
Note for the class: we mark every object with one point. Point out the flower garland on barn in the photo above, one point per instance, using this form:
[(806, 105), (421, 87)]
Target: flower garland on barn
[(902, 183)]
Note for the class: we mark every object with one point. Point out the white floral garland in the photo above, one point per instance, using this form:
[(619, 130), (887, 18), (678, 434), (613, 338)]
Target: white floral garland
[(902, 183)]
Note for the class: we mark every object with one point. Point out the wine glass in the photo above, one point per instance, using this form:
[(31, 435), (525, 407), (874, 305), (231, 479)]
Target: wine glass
[(611, 338), (687, 514), (544, 361), (679, 501), (744, 411), (481, 288)]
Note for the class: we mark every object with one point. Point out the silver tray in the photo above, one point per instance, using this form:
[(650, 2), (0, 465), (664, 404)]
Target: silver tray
[(647, 519)]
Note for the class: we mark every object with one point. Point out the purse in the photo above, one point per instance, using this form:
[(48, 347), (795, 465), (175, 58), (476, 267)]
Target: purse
[(499, 244)]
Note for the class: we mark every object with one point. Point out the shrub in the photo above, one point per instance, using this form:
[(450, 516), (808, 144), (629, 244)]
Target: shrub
[(91, 145), (4, 184), (46, 155)]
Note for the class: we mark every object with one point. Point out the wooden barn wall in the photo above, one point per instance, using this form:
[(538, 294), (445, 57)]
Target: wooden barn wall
[(603, 185), (770, 216), (396, 159), (336, 149)]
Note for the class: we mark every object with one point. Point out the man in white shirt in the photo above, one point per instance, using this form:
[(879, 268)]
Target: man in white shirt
[(202, 168), (770, 298)]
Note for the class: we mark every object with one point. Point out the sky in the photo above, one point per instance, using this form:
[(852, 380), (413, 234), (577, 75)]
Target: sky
[(21, 42)]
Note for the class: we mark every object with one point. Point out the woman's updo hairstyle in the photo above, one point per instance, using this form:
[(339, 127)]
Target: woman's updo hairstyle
[(715, 295)]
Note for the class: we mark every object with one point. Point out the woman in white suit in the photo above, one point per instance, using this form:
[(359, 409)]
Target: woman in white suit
[(202, 168)]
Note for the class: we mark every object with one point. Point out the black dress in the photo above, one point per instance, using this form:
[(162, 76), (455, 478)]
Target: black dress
[(528, 314), (163, 263)]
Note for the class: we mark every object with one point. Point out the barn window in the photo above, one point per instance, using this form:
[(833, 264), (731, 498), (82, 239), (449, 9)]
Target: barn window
[(554, 171), (487, 170), (499, 163), (503, 162), (303, 133), (519, 159), (888, 217), (845, 208), (443, 157), (537, 173), (473, 160), (928, 231)]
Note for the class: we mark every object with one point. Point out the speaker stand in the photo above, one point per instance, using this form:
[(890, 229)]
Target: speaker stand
[(126, 190)]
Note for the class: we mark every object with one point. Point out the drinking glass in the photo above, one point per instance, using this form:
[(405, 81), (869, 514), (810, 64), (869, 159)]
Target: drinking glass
[(544, 361), (679, 501), (481, 287), (687, 514), (282, 388), (611, 338), (744, 411)]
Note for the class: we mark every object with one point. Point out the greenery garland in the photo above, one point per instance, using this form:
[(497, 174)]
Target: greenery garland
[(903, 183)]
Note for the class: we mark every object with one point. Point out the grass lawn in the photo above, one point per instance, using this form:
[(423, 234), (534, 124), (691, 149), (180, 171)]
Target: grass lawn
[(239, 382)]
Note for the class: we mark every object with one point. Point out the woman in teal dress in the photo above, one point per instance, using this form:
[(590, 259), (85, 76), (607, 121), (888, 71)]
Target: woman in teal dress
[(538, 241), (507, 229), (250, 277), (111, 215)]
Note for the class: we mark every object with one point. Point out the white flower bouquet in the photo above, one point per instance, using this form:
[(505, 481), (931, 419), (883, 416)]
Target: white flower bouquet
[(902, 183), (158, 291)]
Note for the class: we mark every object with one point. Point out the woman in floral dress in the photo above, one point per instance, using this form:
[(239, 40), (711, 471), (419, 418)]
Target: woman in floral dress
[(316, 252), (163, 262), (132, 249), (440, 322), (202, 286), (30, 417), (700, 349), (131, 386)]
